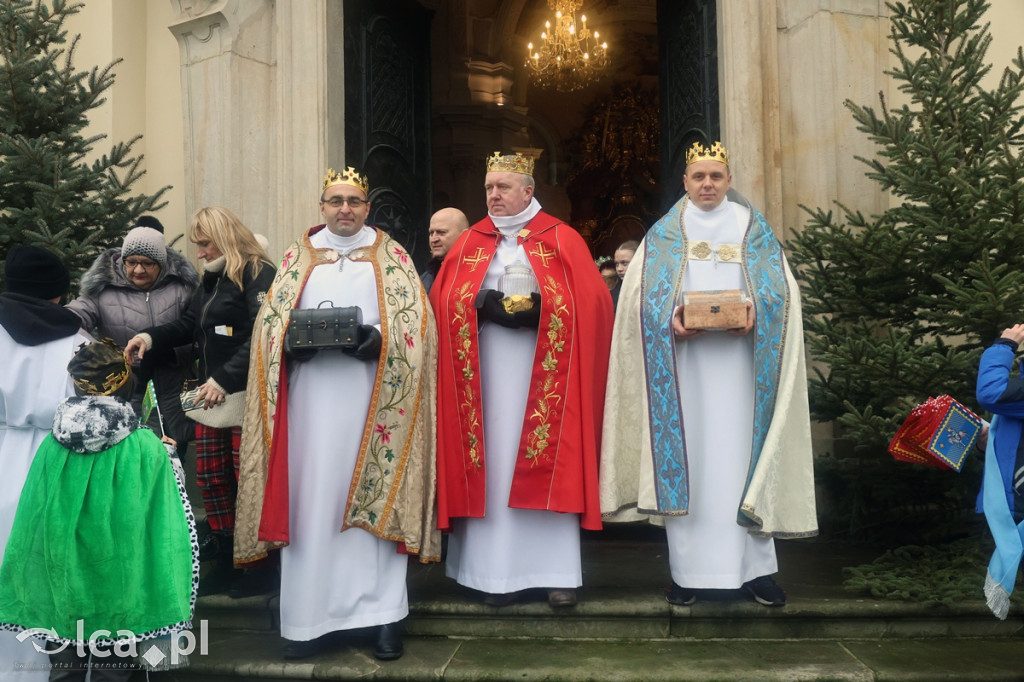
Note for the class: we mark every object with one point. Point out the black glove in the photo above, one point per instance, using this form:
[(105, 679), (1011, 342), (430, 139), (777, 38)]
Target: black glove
[(488, 303), (301, 355), (368, 343), (529, 318), (490, 307)]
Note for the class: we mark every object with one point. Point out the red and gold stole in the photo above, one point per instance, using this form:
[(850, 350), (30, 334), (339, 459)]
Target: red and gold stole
[(553, 391)]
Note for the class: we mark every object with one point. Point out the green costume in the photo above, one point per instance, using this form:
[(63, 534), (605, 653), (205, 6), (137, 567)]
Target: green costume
[(103, 531)]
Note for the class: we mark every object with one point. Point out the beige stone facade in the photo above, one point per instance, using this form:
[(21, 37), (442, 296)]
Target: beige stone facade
[(240, 102)]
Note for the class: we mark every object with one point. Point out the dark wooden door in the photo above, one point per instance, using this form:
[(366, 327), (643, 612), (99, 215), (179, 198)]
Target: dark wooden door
[(688, 54), (387, 113)]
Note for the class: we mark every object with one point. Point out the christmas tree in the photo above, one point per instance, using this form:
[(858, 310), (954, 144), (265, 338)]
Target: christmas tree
[(54, 190), (898, 306)]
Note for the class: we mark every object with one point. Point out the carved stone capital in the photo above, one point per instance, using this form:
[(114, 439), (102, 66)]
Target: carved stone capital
[(208, 28)]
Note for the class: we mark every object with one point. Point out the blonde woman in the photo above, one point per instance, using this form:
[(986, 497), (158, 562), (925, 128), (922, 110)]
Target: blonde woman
[(218, 321)]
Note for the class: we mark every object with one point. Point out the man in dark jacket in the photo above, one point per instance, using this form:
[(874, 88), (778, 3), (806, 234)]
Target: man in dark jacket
[(445, 227)]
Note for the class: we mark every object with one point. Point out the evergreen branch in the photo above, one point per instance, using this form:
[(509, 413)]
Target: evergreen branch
[(53, 190)]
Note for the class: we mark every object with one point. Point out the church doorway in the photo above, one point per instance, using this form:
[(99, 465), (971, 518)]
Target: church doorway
[(387, 113), (433, 87)]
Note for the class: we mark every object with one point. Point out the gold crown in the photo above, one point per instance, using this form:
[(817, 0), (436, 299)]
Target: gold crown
[(107, 386), (349, 176), (715, 152), (88, 382), (509, 164)]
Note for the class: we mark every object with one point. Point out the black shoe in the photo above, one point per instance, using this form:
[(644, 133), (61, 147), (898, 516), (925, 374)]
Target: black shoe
[(500, 599), (389, 642), (766, 591), (562, 597), (212, 546), (255, 581), (680, 596), (294, 650)]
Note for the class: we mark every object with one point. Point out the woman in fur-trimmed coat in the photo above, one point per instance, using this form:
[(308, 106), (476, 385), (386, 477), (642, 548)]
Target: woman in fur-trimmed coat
[(118, 300)]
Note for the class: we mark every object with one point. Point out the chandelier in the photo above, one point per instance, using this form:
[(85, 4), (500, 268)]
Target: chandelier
[(569, 56)]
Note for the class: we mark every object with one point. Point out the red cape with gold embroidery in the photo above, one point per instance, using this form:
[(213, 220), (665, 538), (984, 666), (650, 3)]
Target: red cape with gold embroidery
[(557, 464)]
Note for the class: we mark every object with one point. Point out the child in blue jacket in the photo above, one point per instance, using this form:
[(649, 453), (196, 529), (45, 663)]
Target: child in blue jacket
[(1001, 499)]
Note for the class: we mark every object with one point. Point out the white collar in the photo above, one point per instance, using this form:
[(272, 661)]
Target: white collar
[(330, 240), (511, 224)]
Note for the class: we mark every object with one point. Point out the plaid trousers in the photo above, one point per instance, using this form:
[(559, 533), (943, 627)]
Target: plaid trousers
[(217, 474)]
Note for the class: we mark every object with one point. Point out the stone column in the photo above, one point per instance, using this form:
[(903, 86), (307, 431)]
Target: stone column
[(833, 51), (227, 81), (748, 64), (310, 136), (263, 102), (786, 67)]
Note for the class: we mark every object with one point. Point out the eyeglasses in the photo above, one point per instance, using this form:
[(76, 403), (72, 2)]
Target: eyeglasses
[(353, 202), (133, 263)]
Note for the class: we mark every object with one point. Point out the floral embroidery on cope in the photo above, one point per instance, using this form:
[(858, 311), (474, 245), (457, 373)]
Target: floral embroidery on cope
[(389, 433), (552, 345), (463, 348), (278, 304)]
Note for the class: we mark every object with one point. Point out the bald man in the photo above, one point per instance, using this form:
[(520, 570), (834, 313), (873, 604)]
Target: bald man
[(445, 227)]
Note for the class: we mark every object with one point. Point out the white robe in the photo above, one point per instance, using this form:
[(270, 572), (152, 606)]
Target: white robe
[(510, 549), (707, 548), (33, 381), (716, 398), (330, 580)]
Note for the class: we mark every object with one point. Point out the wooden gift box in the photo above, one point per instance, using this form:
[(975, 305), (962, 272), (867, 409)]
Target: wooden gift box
[(939, 432), (725, 309)]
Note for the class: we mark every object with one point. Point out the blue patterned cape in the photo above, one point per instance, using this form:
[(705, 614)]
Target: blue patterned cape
[(664, 265)]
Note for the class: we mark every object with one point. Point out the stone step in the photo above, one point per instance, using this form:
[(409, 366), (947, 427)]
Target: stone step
[(623, 599), (624, 614), (624, 630), (630, 616), (257, 657)]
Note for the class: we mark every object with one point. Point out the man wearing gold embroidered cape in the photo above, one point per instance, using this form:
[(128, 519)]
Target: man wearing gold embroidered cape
[(520, 399), (708, 432), (337, 460)]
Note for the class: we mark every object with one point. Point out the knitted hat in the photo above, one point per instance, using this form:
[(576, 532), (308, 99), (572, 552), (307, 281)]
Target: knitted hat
[(36, 272), (146, 242), (150, 221), (99, 368)]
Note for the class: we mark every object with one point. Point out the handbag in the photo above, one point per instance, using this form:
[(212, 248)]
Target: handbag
[(939, 432), (320, 328), (225, 415)]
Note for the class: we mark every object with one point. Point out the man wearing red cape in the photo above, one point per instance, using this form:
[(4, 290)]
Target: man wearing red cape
[(521, 380)]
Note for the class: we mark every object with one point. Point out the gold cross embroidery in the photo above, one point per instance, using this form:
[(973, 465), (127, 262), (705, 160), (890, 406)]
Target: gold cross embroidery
[(541, 253), (476, 258)]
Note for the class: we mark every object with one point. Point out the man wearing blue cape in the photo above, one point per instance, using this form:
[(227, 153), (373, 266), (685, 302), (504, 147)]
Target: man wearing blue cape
[(708, 432)]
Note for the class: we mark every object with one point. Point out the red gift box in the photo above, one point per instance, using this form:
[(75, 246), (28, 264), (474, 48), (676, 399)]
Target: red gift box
[(939, 432)]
